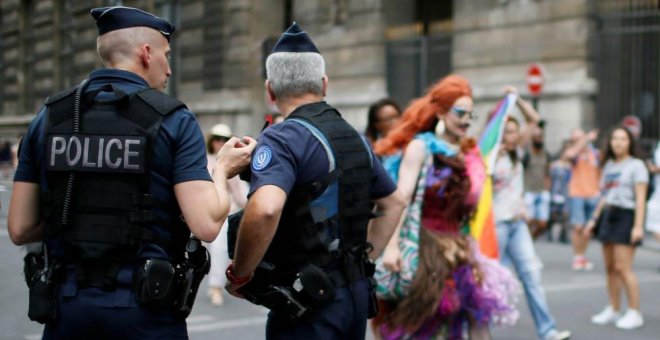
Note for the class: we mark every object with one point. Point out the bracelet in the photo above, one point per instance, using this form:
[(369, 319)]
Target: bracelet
[(238, 281)]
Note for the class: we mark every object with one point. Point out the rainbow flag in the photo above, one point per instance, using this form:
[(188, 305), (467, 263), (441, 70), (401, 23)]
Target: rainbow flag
[(482, 225)]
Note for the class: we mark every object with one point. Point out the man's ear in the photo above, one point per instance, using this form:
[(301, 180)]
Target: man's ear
[(269, 90), (325, 85), (145, 55)]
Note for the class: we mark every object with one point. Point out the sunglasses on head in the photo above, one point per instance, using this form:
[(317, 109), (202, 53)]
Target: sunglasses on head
[(461, 112)]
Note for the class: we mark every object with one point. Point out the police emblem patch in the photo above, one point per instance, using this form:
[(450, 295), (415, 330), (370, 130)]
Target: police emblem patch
[(262, 158)]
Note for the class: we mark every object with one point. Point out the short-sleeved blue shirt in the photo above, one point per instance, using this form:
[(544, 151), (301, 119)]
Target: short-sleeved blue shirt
[(179, 155), (288, 155)]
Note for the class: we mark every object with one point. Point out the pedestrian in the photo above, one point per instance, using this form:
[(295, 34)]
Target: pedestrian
[(516, 247), (618, 221), (433, 281), (306, 224), (382, 116), (583, 190), (112, 177), (219, 135), (653, 205), (536, 162), (560, 175)]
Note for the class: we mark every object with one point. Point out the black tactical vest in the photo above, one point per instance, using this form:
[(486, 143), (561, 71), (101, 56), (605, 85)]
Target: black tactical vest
[(325, 223), (109, 158)]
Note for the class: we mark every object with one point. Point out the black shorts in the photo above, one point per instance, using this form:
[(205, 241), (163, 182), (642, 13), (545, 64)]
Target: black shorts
[(615, 225)]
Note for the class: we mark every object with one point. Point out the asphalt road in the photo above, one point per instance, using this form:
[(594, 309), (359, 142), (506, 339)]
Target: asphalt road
[(573, 298)]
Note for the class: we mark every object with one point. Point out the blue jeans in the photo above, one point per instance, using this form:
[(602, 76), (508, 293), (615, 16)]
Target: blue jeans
[(517, 249)]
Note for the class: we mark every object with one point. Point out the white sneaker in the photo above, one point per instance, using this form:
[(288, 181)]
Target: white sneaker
[(631, 320), (608, 315), (557, 335)]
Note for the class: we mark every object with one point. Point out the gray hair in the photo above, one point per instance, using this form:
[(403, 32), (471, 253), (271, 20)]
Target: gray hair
[(294, 74)]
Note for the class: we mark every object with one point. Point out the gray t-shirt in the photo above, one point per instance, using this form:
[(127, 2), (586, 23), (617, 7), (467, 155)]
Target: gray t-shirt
[(508, 201), (618, 181)]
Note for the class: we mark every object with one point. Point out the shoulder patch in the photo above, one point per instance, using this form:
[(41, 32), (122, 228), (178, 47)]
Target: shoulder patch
[(262, 158)]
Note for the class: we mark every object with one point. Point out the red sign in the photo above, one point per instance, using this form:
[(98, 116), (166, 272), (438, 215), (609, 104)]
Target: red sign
[(633, 124), (535, 79)]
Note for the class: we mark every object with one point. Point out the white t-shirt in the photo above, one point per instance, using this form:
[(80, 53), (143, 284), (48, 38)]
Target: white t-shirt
[(508, 189), (618, 181)]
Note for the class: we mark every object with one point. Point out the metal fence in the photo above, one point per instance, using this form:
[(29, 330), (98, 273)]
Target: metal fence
[(627, 68), (416, 62)]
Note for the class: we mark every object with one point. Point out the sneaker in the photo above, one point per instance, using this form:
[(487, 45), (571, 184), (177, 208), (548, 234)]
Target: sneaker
[(587, 265), (608, 315), (215, 294), (581, 263), (557, 335), (577, 264), (631, 320)]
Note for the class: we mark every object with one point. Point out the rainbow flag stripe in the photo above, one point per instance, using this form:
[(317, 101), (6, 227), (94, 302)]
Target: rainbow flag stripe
[(482, 225)]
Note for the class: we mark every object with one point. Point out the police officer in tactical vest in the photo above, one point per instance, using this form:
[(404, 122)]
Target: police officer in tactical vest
[(304, 244), (112, 178)]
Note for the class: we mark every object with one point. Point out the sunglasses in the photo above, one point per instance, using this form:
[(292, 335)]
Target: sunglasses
[(461, 112)]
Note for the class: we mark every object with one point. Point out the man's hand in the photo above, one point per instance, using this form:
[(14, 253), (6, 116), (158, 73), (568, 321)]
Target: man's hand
[(233, 290), (235, 283), (234, 156), (509, 89), (592, 135)]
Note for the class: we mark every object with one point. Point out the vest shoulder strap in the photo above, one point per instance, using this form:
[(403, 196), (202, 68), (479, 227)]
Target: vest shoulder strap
[(60, 95), (162, 103), (321, 138)]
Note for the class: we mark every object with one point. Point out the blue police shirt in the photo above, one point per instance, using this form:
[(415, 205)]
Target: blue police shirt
[(179, 156), (288, 155)]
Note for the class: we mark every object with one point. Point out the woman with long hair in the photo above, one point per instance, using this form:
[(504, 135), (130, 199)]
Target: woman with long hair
[(382, 116), (620, 216), (432, 280)]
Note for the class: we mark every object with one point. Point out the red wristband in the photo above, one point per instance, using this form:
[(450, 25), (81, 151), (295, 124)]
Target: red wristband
[(239, 281)]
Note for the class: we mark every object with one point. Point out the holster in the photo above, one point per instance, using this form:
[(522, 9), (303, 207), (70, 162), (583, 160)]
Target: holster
[(158, 284), (42, 284)]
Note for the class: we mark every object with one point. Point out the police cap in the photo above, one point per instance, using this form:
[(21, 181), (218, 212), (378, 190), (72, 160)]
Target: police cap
[(109, 19), (295, 39)]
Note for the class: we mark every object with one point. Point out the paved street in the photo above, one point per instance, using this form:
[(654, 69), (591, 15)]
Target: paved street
[(573, 298)]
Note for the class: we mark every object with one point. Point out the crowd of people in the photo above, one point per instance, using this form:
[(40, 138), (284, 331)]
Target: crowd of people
[(374, 224)]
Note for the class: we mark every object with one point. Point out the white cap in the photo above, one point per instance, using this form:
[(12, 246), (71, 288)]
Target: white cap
[(221, 130)]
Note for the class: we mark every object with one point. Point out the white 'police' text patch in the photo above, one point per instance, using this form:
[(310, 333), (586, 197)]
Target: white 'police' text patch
[(262, 158)]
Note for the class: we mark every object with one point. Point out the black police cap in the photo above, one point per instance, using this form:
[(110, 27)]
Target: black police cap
[(295, 40), (109, 19)]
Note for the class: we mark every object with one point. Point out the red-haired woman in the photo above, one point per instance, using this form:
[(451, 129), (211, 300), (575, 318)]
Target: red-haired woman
[(432, 279)]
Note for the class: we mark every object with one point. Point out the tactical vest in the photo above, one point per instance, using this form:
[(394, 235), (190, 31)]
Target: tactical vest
[(325, 223), (98, 168)]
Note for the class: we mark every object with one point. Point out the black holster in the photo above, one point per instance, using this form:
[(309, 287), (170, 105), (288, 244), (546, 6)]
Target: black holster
[(41, 280), (310, 290), (160, 285)]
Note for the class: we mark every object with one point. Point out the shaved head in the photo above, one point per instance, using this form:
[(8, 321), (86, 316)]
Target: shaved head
[(122, 46)]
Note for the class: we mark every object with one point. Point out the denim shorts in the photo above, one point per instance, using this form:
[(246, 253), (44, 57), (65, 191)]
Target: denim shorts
[(582, 209), (538, 205)]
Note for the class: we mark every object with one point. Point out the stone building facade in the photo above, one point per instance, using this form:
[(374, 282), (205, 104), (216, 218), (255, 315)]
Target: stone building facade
[(373, 48)]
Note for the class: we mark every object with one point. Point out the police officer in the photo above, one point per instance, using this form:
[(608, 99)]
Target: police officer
[(311, 192), (108, 173)]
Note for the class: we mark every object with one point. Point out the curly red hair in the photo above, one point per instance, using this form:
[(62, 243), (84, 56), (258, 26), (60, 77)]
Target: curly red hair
[(421, 114)]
